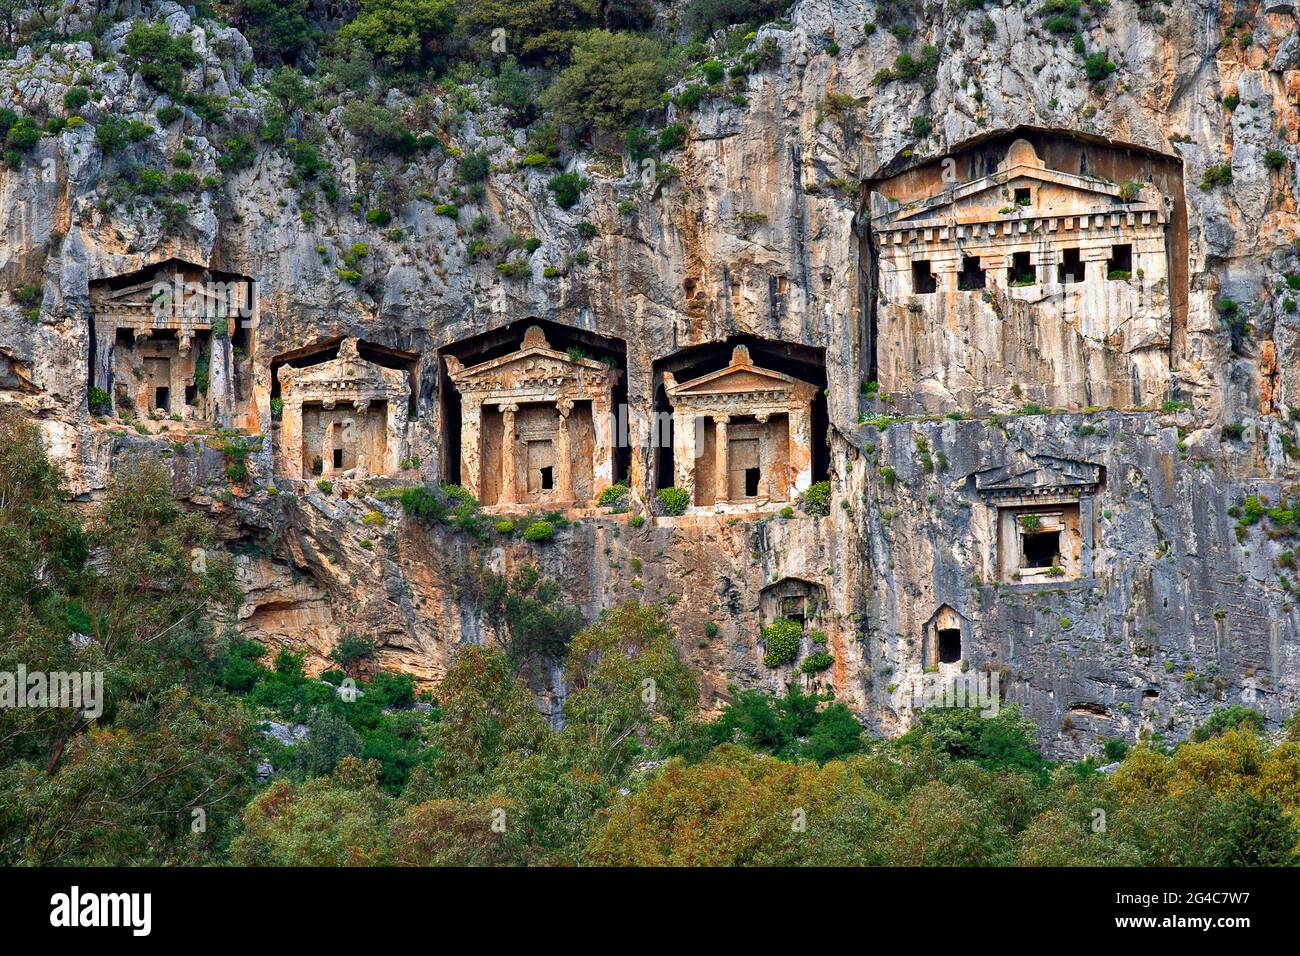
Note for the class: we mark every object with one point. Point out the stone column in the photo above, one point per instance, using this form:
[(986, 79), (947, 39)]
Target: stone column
[(945, 273), (684, 450), (354, 434), (800, 462), (509, 467), (290, 437), (602, 472), (563, 464), (471, 441), (721, 471), (1087, 535), (327, 452)]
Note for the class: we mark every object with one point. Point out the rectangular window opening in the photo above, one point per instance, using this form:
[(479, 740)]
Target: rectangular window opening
[(162, 399), (1041, 549), (949, 645), (751, 482), (547, 478), (1120, 263), (923, 281), (1022, 196), (1021, 270), (1071, 268), (338, 457), (971, 276)]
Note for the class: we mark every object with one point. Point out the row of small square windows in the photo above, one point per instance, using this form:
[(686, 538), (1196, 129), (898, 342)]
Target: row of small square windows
[(1021, 271)]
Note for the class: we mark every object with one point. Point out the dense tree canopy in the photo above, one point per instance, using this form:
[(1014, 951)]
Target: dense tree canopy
[(633, 775)]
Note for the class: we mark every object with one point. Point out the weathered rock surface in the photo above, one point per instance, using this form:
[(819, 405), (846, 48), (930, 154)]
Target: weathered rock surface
[(761, 235)]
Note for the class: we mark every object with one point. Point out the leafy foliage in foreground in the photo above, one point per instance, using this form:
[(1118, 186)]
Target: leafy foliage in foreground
[(633, 776)]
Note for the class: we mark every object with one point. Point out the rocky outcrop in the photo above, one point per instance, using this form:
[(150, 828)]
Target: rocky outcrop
[(755, 228)]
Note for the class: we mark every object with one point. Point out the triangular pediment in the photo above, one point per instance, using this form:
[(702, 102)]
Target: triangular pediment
[(736, 379), (526, 360), (990, 191), (535, 358), (348, 371), (740, 376), (1030, 474), (986, 198)]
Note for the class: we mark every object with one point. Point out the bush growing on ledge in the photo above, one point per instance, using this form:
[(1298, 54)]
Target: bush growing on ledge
[(1097, 67), (539, 531), (816, 501), (611, 81), (781, 638), (816, 662), (99, 401), (613, 496), (568, 189), (1232, 717), (1220, 175), (157, 56), (675, 501), (505, 526), (326, 487)]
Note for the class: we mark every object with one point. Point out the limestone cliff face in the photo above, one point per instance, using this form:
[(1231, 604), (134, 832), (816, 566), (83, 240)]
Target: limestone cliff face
[(758, 230)]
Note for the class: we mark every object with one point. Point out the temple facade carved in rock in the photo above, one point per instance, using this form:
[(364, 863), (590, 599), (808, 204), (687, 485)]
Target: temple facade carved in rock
[(1045, 510), (742, 435), (1028, 283), (535, 425), (343, 418), (169, 339)]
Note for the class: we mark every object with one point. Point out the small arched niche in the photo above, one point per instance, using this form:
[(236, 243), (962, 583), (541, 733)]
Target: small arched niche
[(945, 636)]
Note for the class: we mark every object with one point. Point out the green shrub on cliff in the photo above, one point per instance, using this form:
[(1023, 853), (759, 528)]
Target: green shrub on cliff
[(539, 531), (781, 638), (613, 496), (816, 501), (675, 501), (611, 81), (157, 56)]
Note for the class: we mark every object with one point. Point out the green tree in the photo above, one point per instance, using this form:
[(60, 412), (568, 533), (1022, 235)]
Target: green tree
[(118, 787), (276, 29), (339, 820), (533, 620), (1250, 831), (611, 81), (1006, 740), (536, 31), (159, 57), (330, 738), (403, 33), (486, 714)]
